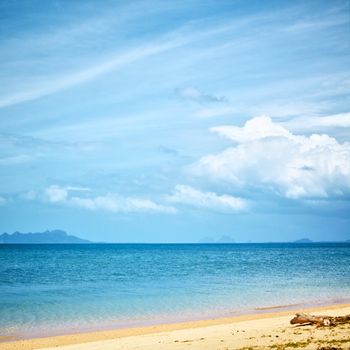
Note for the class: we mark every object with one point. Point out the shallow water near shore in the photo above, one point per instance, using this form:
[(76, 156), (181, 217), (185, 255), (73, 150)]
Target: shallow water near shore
[(56, 289)]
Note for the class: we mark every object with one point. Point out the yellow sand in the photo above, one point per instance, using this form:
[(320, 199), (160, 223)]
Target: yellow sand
[(260, 331)]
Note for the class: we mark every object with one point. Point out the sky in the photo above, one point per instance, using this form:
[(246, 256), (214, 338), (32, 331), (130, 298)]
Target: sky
[(170, 121)]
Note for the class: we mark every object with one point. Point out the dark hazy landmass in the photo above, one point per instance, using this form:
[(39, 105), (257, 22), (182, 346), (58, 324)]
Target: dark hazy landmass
[(303, 240), (223, 239), (47, 237), (228, 239), (61, 237)]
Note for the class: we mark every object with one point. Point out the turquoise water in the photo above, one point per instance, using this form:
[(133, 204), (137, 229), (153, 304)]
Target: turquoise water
[(52, 289)]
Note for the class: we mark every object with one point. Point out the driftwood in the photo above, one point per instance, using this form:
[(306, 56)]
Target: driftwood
[(319, 321)]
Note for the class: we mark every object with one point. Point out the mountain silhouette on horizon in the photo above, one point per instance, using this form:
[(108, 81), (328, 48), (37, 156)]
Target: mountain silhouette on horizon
[(303, 240), (47, 237), (222, 239)]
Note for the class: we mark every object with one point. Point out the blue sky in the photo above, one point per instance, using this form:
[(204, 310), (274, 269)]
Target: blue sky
[(159, 121)]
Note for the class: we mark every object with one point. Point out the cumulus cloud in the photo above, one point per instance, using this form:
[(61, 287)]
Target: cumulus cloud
[(269, 157), (193, 94), (109, 202), (254, 129), (193, 197), (55, 194)]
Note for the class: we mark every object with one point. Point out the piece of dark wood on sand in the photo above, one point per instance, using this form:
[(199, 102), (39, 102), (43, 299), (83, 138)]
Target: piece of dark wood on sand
[(319, 321)]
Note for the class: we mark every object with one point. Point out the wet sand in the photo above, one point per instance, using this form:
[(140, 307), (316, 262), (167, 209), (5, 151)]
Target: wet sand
[(259, 331)]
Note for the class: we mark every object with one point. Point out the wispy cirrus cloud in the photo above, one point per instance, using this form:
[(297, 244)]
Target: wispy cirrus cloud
[(119, 60), (186, 33), (307, 124), (45, 85)]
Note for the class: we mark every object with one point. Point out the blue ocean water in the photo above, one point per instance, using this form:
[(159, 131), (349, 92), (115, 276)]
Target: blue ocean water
[(50, 289)]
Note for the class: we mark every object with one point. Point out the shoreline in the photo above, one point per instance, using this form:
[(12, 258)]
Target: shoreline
[(113, 334), (107, 326)]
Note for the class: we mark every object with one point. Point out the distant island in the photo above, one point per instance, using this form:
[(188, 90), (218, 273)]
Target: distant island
[(303, 240), (47, 237), (222, 239), (228, 239)]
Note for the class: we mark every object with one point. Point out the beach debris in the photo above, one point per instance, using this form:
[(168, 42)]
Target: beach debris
[(319, 321)]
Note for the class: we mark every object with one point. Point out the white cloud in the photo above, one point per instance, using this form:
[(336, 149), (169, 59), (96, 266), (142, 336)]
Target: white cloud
[(263, 126), (119, 204), (55, 194), (253, 129), (109, 202), (270, 157), (341, 120), (2, 200), (191, 196)]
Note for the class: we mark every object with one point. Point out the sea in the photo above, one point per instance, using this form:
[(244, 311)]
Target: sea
[(58, 289)]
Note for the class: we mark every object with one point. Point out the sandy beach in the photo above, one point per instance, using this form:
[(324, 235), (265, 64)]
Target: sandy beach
[(259, 331)]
